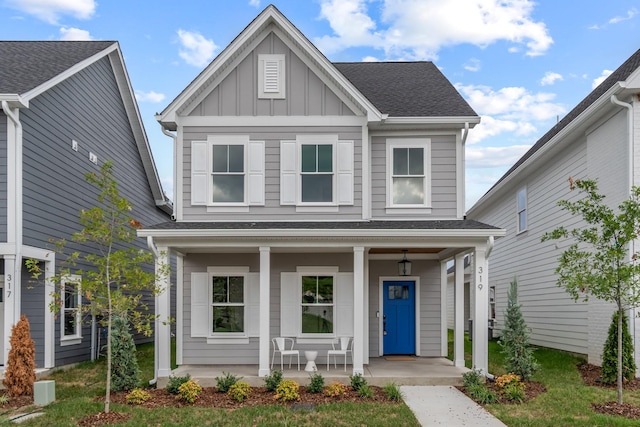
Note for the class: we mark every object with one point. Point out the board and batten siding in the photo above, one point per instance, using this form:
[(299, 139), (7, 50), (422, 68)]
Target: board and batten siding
[(272, 209), (87, 108), (3, 177), (442, 182), (555, 319), (197, 351), (306, 94)]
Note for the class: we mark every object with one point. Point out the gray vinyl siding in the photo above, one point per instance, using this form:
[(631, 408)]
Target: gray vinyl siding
[(86, 108), (3, 177), (555, 320), (306, 94), (443, 176), (272, 210)]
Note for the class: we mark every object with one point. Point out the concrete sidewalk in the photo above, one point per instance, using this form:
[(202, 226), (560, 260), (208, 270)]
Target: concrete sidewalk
[(446, 406)]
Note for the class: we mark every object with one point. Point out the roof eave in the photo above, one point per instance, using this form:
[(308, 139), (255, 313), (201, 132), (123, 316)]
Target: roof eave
[(449, 121), (14, 100)]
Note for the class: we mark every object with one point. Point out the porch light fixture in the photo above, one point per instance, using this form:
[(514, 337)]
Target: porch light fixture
[(404, 266)]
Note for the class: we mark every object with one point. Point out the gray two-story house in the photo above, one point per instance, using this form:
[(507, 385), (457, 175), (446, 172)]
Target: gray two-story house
[(67, 107), (301, 186)]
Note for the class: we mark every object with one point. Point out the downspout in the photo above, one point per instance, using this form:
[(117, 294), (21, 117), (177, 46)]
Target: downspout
[(630, 153), (156, 254), (176, 204), (465, 133)]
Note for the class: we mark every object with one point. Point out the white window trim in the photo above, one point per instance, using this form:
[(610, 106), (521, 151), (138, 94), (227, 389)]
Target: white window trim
[(425, 207), (273, 60), (77, 337), (242, 140), (318, 140), (228, 337), (525, 209), (316, 271)]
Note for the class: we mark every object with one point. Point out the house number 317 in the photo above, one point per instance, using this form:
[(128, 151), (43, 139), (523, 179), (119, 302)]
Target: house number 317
[(480, 278)]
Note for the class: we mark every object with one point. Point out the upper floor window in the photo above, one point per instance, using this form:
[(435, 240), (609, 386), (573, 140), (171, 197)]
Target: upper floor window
[(408, 173), (522, 209), (71, 316), (316, 173), (227, 172)]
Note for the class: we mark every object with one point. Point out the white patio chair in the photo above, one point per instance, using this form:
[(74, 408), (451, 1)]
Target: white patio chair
[(346, 346), (280, 345)]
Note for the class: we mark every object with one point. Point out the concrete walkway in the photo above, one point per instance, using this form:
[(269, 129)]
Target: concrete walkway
[(446, 406)]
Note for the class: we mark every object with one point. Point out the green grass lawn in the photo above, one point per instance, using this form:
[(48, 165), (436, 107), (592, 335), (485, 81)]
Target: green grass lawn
[(567, 401)]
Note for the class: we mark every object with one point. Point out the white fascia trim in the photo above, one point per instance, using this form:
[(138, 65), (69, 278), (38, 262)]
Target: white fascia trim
[(273, 121), (604, 100), (14, 100), (452, 120), (69, 72)]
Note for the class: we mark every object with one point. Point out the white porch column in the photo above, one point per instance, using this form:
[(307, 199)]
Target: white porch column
[(458, 310), (163, 312), (481, 311), (358, 310), (265, 276), (11, 303), (179, 306), (444, 334), (365, 360)]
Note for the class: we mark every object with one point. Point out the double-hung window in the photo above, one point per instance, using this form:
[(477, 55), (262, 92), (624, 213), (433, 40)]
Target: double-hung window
[(316, 174), (317, 304), (408, 173), (522, 209), (227, 305), (71, 316), (227, 173)]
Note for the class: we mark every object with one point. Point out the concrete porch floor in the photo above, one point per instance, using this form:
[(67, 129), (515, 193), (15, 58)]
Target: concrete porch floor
[(379, 371)]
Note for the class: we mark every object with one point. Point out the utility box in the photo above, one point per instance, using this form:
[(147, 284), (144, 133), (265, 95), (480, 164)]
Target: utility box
[(44, 392)]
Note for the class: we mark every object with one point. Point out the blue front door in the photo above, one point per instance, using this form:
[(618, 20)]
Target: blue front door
[(399, 320)]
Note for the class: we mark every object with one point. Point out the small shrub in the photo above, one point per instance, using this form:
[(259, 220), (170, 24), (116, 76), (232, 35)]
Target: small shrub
[(20, 372), (316, 383), (4, 399), (515, 391), (287, 391), (393, 392), (189, 391), (125, 372), (138, 396), (335, 389), (239, 391), (473, 377), (272, 381), (224, 383), (175, 382), (357, 381), (610, 353), (482, 394), (503, 380), (365, 391)]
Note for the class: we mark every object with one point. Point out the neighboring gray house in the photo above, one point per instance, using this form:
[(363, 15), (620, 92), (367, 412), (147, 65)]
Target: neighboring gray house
[(67, 107), (599, 138), (300, 183)]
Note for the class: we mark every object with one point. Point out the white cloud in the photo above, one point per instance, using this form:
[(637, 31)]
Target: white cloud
[(150, 96), (630, 14), (51, 10), (196, 49), (550, 78), (418, 29), (491, 157), (76, 34), (472, 65), (603, 76), (254, 3)]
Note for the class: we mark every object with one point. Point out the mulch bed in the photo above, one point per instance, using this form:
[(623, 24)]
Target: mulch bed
[(591, 376), (210, 397)]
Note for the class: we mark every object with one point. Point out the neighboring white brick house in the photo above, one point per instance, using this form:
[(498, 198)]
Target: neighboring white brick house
[(599, 138)]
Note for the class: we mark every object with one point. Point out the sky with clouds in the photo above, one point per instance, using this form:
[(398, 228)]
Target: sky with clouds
[(521, 65)]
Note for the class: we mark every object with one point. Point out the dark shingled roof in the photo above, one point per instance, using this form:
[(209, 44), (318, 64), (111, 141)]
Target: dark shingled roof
[(406, 89), (466, 224), (25, 65), (621, 74)]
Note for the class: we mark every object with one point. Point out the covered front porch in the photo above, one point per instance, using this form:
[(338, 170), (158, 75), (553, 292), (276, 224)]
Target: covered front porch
[(379, 371)]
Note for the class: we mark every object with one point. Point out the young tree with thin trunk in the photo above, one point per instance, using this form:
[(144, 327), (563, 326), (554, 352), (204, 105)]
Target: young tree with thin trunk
[(600, 261), (113, 274)]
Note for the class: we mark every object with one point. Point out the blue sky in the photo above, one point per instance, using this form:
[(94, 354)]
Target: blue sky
[(520, 64)]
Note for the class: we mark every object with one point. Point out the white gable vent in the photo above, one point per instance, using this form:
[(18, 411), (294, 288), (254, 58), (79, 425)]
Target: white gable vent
[(271, 76)]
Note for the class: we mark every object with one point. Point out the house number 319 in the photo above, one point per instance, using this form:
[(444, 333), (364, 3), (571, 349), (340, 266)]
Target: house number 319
[(480, 278)]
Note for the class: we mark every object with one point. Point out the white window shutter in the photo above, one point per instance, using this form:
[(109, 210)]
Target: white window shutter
[(345, 172), (252, 305), (289, 305), (344, 304), (199, 173), (255, 171), (288, 172), (199, 305)]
